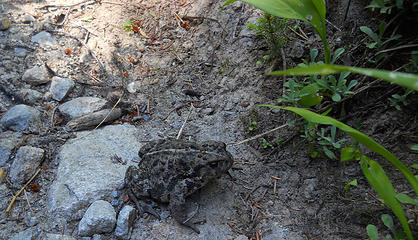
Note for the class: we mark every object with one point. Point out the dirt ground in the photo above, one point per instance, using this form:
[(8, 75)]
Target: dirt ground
[(195, 52)]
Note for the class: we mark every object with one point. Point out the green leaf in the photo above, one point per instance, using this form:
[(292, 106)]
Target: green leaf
[(311, 11), (414, 166), (88, 19), (405, 199), (349, 153), (372, 232), (369, 33), (348, 185), (381, 183), (403, 79), (329, 153), (337, 54), (359, 136), (388, 221), (310, 95), (414, 147), (252, 26), (336, 97)]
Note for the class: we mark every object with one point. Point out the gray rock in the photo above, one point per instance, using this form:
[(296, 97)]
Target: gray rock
[(208, 111), (5, 193), (29, 234), (36, 75), (86, 170), (60, 87), (277, 232), (27, 160), (241, 237), (81, 106), (30, 96), (53, 236), (44, 38), (20, 52), (229, 83), (4, 24), (8, 141), (22, 117), (125, 221), (246, 32), (310, 185), (100, 217), (133, 87), (27, 18), (297, 50)]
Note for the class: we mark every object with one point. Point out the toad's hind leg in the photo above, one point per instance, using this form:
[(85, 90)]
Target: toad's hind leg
[(178, 208)]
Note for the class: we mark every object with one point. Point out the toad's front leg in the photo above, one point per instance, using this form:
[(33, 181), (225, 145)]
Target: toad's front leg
[(177, 205), (143, 207), (133, 182)]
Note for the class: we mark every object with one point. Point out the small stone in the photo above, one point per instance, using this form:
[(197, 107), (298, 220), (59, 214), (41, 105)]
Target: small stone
[(115, 194), (81, 106), (125, 221), (208, 111), (21, 52), (133, 87), (8, 141), (246, 32), (53, 236), (245, 104), (60, 87), (36, 75), (4, 24), (30, 96), (100, 217), (114, 202), (27, 18), (26, 161), (44, 38), (22, 117), (297, 50), (276, 110), (310, 185), (241, 237), (30, 233)]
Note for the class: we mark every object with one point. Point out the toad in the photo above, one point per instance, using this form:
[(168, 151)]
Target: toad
[(171, 170)]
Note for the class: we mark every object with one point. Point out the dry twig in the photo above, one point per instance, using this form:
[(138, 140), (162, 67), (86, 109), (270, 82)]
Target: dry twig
[(184, 123), (259, 135), (20, 191)]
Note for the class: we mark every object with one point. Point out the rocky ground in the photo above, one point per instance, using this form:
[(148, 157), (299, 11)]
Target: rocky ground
[(81, 91)]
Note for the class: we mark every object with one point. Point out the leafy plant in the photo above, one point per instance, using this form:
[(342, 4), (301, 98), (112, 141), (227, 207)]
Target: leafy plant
[(388, 222), (348, 185), (385, 6), (313, 12), (293, 94), (326, 142), (396, 99), (338, 88), (266, 144), (374, 173), (252, 126), (271, 29), (403, 79), (378, 39), (128, 25)]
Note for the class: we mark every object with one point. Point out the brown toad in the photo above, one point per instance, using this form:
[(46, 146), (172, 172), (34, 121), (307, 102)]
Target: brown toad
[(171, 169)]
